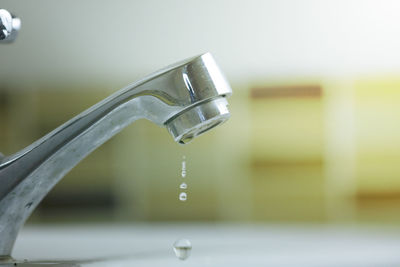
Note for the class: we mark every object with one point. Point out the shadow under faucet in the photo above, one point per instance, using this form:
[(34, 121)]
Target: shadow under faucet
[(188, 98)]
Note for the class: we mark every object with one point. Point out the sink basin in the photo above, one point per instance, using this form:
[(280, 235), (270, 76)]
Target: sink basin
[(213, 245)]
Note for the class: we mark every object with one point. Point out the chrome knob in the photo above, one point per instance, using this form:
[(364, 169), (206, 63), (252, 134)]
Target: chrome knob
[(5, 24), (9, 26)]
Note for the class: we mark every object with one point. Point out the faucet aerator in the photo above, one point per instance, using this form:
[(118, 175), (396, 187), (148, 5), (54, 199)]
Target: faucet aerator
[(198, 119)]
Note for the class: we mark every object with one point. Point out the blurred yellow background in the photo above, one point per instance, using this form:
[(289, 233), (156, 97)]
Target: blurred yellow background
[(313, 135)]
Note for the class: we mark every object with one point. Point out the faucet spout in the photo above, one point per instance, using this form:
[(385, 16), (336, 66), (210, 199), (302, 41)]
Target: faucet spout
[(187, 98)]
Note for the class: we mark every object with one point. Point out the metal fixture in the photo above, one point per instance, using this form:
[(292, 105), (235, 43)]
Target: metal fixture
[(188, 98), (9, 26)]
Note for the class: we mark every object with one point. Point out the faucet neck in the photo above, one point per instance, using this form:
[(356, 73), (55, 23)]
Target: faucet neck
[(29, 179)]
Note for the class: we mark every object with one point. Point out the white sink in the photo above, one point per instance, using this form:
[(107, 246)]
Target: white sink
[(213, 245)]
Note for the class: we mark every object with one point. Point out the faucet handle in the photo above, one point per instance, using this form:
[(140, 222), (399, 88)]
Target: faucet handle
[(5, 24), (9, 26)]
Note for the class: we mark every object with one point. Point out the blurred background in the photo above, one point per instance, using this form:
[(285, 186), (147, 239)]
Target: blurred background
[(314, 133)]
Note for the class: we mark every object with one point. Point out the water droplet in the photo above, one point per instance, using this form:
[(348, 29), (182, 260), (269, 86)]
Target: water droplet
[(183, 196), (182, 248), (183, 174), (183, 186)]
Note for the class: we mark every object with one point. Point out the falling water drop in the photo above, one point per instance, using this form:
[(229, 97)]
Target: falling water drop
[(183, 186), (182, 248), (183, 171), (183, 196)]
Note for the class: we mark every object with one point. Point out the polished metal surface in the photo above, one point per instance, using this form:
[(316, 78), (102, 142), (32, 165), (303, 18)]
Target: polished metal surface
[(188, 98), (9, 26)]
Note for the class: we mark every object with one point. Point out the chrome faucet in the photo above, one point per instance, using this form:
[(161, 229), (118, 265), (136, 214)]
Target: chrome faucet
[(188, 98)]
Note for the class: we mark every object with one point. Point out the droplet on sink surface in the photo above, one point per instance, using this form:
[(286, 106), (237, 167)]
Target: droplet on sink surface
[(182, 248)]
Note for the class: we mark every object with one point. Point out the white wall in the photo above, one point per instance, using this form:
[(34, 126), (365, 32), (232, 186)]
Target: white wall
[(118, 41)]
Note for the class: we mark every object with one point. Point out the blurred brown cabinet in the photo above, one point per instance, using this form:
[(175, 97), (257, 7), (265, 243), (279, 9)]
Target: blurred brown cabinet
[(287, 152)]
